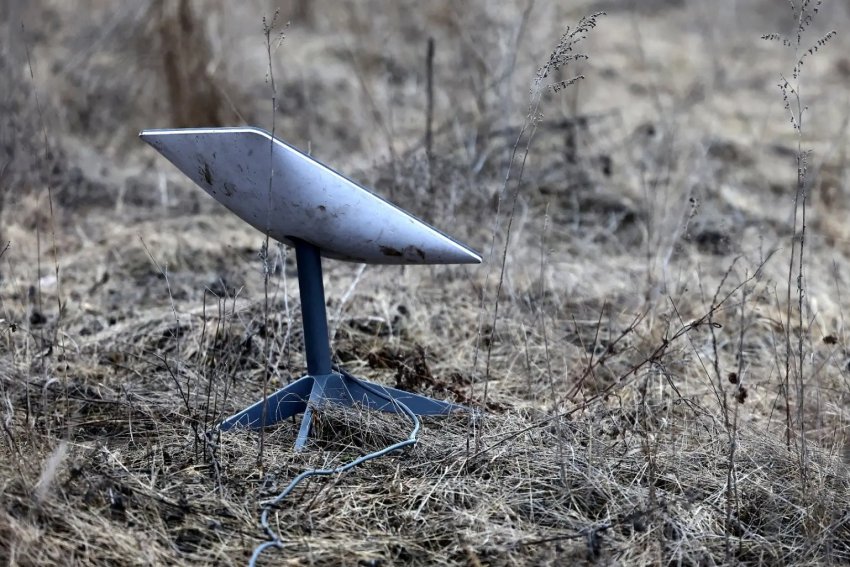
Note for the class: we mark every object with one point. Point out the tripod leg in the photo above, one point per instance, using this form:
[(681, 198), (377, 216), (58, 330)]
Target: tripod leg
[(420, 405), (284, 403), (327, 389), (304, 431)]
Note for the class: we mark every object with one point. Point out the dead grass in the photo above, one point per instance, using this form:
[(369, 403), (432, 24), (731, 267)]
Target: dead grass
[(615, 431)]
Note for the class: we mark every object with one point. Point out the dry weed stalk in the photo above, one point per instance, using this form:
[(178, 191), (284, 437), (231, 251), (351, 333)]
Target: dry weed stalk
[(804, 16), (269, 27), (564, 54), (58, 338)]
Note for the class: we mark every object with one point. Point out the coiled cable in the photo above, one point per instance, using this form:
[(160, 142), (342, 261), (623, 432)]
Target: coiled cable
[(274, 539)]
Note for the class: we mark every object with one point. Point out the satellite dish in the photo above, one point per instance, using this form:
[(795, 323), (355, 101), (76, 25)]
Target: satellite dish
[(321, 213), (305, 200)]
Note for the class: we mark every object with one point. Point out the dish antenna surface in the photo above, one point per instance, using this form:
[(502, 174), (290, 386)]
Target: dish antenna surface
[(299, 201)]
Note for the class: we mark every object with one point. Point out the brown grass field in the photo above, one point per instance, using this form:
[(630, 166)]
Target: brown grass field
[(660, 379)]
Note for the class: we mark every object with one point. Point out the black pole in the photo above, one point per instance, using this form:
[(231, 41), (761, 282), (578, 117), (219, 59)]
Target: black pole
[(313, 314)]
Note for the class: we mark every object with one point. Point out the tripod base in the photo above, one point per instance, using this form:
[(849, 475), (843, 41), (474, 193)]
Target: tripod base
[(311, 392)]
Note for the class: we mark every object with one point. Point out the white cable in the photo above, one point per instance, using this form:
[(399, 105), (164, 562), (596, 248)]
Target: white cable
[(274, 538)]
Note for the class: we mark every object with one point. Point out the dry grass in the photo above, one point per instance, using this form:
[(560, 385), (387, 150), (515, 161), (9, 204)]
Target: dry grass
[(636, 411)]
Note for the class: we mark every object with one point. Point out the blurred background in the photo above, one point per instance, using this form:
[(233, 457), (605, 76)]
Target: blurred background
[(676, 144)]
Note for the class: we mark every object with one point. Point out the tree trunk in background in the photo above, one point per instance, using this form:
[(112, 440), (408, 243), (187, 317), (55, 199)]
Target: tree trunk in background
[(303, 14), (20, 150), (193, 96)]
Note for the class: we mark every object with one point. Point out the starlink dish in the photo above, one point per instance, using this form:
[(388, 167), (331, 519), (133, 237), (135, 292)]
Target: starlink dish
[(305, 200), (297, 200)]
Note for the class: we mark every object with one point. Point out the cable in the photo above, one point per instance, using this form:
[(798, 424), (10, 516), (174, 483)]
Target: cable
[(274, 538)]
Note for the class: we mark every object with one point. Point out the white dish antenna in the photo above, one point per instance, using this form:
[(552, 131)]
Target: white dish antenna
[(297, 200), (305, 200)]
